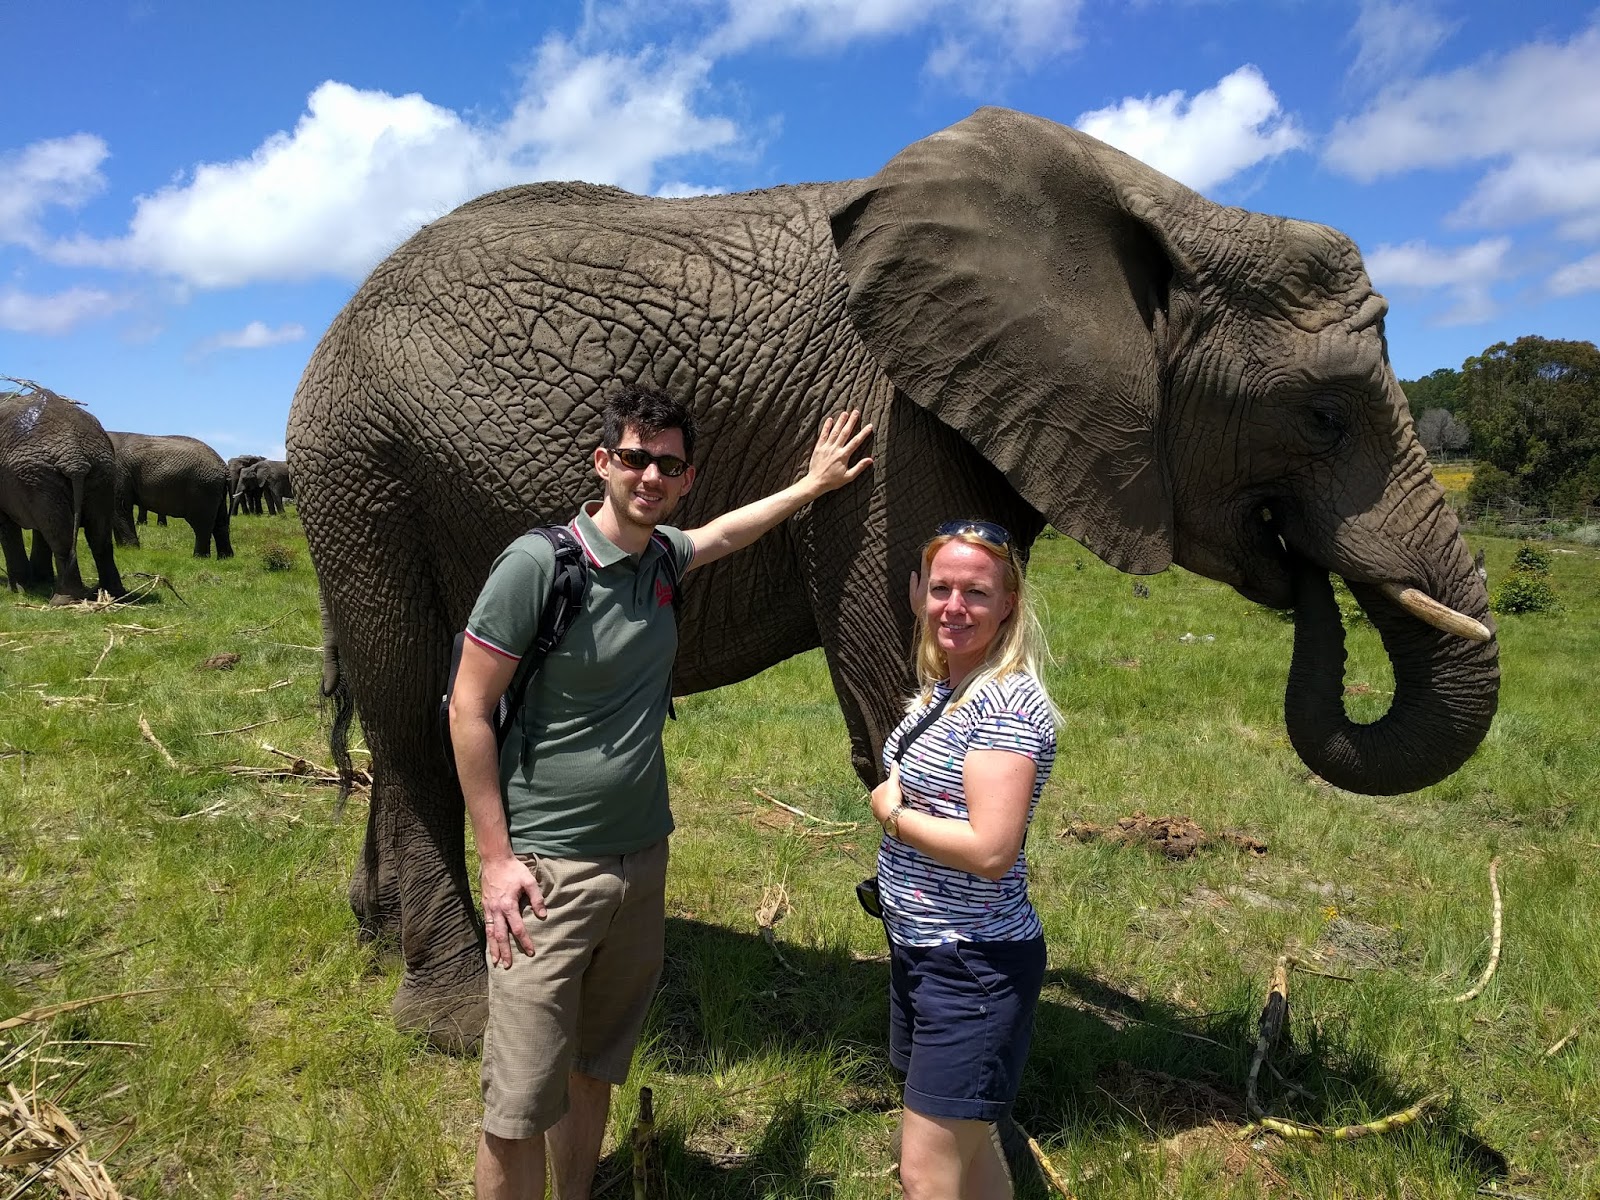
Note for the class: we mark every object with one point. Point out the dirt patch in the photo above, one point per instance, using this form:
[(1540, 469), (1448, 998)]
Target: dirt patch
[(1176, 837), (219, 662), (1359, 945), (1164, 1103)]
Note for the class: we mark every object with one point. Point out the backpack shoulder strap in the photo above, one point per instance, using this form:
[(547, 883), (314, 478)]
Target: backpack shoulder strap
[(569, 587)]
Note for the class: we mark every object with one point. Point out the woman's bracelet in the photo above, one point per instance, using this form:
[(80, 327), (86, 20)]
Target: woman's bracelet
[(891, 822)]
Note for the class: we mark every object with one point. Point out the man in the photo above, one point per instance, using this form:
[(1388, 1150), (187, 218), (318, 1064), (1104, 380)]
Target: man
[(571, 818)]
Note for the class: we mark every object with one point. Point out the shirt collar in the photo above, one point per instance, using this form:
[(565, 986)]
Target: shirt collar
[(602, 551)]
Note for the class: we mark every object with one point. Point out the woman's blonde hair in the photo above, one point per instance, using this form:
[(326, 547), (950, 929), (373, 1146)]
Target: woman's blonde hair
[(1019, 645)]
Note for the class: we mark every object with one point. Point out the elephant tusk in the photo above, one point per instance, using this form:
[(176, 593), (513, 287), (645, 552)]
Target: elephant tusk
[(1425, 608)]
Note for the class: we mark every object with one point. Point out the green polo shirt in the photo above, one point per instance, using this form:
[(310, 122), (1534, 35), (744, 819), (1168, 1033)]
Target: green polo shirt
[(582, 771)]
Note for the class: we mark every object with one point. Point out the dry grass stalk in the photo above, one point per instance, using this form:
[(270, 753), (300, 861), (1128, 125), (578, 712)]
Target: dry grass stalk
[(1344, 1133), (111, 641), (34, 1015), (1562, 1044), (149, 735), (1269, 1029), (1476, 989), (35, 1134), (836, 826), (271, 687), (1299, 964), (243, 728), (775, 907), (1045, 1165)]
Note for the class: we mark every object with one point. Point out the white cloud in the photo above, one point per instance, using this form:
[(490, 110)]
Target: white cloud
[(1539, 97), (1537, 186), (25, 312), (977, 43), (362, 170), (1203, 141), (679, 190), (1464, 275), (60, 172), (257, 335), (1581, 276), (1394, 38)]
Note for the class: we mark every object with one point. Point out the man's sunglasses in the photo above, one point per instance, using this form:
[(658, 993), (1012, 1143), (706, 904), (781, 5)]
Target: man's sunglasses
[(988, 531), (636, 459)]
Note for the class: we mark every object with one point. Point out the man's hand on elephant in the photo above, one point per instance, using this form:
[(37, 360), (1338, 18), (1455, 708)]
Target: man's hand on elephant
[(830, 459), (505, 881)]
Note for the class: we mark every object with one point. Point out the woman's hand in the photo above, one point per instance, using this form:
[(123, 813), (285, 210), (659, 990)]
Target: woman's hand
[(886, 795)]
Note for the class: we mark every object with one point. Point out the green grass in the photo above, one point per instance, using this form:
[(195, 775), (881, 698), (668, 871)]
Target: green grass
[(270, 1066)]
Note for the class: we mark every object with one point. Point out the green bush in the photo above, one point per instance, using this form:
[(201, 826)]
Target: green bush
[(275, 556), (1530, 560), (1525, 592)]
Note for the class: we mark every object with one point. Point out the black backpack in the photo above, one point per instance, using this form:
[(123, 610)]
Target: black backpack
[(561, 608)]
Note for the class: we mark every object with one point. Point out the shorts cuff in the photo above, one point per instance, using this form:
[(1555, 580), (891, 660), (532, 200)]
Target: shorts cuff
[(519, 1129), (955, 1108), (605, 1072)]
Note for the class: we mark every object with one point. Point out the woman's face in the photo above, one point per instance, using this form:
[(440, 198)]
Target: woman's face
[(967, 602)]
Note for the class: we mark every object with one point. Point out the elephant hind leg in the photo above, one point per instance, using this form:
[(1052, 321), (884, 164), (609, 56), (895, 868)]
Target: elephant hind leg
[(220, 530)]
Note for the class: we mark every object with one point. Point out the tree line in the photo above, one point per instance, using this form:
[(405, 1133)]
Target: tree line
[(1529, 413)]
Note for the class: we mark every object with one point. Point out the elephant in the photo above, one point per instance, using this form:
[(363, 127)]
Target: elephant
[(250, 503), (264, 480), (175, 476), (57, 476), (1041, 329)]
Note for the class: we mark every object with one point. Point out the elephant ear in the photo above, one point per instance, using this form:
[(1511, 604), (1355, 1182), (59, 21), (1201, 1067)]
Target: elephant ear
[(1011, 276)]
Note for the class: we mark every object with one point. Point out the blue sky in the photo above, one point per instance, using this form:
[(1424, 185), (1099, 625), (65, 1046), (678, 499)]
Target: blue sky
[(190, 191)]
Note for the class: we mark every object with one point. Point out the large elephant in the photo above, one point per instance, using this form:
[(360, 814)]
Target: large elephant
[(1041, 328), (175, 476), (57, 476), (267, 480), (242, 499)]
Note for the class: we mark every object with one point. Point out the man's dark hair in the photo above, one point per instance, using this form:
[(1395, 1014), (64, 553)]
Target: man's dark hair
[(650, 411)]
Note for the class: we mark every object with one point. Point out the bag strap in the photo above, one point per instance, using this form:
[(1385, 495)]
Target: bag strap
[(669, 560), (921, 727), (569, 587)]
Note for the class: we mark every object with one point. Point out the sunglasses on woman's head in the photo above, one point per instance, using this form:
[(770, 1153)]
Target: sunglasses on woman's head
[(636, 459), (988, 531)]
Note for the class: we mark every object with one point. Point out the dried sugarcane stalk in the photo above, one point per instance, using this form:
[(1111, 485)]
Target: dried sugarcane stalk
[(1273, 1016), (1562, 1044), (1344, 1133), (1476, 989), (643, 1140), (1046, 1166), (149, 735)]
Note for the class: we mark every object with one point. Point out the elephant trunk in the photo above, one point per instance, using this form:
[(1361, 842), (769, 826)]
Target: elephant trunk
[(1446, 687)]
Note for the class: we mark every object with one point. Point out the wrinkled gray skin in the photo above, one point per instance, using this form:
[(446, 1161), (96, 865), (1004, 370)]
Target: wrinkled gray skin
[(1042, 330), (176, 476), (57, 476), (264, 480), (249, 502)]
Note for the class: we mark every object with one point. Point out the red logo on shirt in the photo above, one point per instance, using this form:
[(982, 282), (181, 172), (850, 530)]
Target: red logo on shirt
[(663, 592)]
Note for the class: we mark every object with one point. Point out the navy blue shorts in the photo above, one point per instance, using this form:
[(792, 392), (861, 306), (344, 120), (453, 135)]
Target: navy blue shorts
[(960, 1020)]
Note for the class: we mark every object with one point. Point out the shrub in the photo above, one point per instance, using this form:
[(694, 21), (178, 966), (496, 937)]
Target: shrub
[(275, 556), (1530, 560), (1523, 592), (1587, 535)]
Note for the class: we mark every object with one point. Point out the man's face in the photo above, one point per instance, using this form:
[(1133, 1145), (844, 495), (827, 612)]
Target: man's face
[(643, 497)]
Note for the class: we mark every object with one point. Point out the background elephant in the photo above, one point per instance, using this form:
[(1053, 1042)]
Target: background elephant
[(250, 502), (1041, 328), (265, 480), (176, 476), (57, 476)]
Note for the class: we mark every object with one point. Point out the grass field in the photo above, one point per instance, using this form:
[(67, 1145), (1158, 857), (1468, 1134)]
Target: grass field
[(262, 1061)]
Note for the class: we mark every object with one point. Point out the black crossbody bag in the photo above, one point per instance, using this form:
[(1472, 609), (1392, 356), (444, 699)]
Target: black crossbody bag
[(867, 889)]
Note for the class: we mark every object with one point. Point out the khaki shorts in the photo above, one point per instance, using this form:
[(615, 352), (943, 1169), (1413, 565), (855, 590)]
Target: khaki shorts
[(580, 1002)]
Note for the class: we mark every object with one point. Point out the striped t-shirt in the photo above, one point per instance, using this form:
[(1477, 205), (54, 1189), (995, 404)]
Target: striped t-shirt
[(926, 903)]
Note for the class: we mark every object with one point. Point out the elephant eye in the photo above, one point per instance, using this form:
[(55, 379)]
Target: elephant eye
[(1328, 423)]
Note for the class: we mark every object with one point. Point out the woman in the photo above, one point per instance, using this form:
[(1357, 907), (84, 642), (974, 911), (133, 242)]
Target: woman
[(966, 767)]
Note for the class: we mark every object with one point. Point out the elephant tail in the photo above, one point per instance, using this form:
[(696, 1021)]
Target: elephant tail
[(336, 688)]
